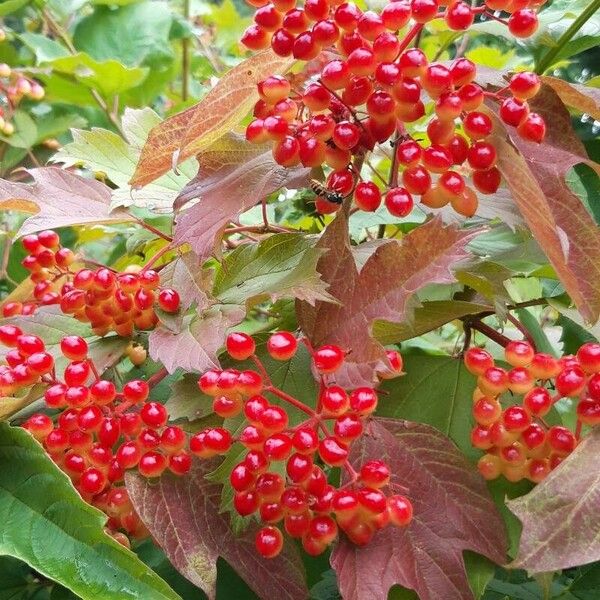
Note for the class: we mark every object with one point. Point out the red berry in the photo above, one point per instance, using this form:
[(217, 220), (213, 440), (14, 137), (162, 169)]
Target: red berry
[(561, 440), (333, 452), (269, 542), (246, 503), (570, 381), (363, 401), (136, 391), (375, 473), (400, 509), (478, 360), (328, 358), (399, 202), (240, 346), (168, 300), (334, 400), (525, 85), (589, 357), (154, 415), (538, 401), (523, 23), (152, 464), (74, 347), (532, 128), (516, 418), (367, 196), (92, 481)]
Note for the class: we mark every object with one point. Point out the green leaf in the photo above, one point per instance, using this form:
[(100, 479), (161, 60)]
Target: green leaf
[(103, 150), (436, 390), (15, 578), (425, 318), (283, 265), (137, 34), (44, 48), (46, 524), (108, 77), (10, 6), (584, 182), (480, 571), (25, 134)]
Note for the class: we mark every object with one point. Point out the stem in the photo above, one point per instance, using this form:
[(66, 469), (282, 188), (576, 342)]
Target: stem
[(548, 59), (522, 329), (578, 429), (408, 38), (157, 377), (291, 400), (157, 256), (490, 332), (185, 55), (154, 230)]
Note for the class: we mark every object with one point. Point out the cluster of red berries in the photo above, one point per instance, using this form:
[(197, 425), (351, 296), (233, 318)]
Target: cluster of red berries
[(100, 432), (14, 87), (283, 476), (108, 300), (372, 89), (518, 442)]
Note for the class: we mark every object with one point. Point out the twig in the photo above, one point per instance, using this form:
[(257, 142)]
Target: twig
[(522, 329)]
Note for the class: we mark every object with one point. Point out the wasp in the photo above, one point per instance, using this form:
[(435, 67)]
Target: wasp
[(330, 195)]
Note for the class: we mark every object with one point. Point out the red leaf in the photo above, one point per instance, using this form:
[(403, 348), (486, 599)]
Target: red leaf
[(581, 97), (233, 176), (195, 347), (391, 276), (183, 516), (453, 512), (561, 523), (186, 275), (197, 128), (535, 174), (59, 199)]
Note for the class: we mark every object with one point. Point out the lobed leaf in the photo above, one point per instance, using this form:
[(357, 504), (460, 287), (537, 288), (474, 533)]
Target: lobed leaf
[(185, 274), (195, 347), (382, 289), (283, 265), (183, 516), (59, 199), (233, 176), (561, 526), (105, 151), (453, 512), (46, 524), (194, 130), (437, 391)]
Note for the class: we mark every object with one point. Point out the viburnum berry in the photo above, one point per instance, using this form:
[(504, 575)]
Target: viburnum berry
[(269, 542), (328, 358)]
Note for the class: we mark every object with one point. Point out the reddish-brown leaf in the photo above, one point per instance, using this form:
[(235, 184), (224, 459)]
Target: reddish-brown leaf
[(453, 512), (580, 97), (233, 177), (183, 516), (59, 199), (195, 347), (390, 277), (535, 174), (561, 521), (185, 274), (194, 130)]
